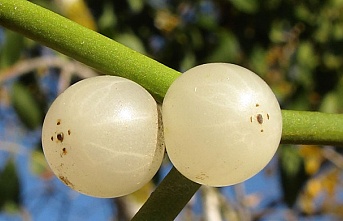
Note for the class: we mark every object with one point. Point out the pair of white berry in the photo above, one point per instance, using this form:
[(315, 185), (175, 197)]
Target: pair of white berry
[(222, 125)]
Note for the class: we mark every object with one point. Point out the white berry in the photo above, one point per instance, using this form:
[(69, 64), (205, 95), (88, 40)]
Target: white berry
[(222, 124), (100, 137)]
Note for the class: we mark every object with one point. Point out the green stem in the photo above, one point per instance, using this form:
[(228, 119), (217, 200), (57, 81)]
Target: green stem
[(169, 198), (113, 58), (85, 45), (305, 127)]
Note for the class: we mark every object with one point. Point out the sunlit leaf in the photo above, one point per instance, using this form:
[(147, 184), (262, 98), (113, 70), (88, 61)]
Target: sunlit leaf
[(311, 192), (313, 158), (131, 41), (136, 5), (329, 103), (332, 61), (331, 182), (323, 32), (247, 6), (304, 13), (78, 11), (278, 32), (307, 55), (338, 31), (307, 61), (107, 20), (314, 187)]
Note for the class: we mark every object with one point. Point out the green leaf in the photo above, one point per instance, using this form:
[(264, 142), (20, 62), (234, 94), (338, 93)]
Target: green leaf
[(228, 49), (332, 61), (258, 61), (9, 186), (188, 61), (107, 20), (340, 95), (26, 105), (247, 6), (11, 49), (131, 41), (307, 55), (329, 103), (136, 5), (303, 13), (38, 164), (278, 29), (323, 32)]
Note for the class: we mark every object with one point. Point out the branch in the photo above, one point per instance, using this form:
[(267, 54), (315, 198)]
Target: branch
[(168, 199), (113, 58), (305, 127), (67, 68), (85, 45)]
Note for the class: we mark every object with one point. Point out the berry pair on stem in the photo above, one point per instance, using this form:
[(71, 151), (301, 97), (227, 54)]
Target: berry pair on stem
[(221, 122)]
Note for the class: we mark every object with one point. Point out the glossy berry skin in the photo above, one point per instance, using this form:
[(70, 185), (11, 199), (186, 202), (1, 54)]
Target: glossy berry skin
[(100, 137), (222, 124)]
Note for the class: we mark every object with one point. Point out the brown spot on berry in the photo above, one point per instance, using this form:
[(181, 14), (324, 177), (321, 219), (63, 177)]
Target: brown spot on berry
[(268, 116), (60, 137), (201, 176), (257, 105), (69, 132), (66, 181), (64, 152), (58, 122), (52, 138), (250, 119), (259, 118)]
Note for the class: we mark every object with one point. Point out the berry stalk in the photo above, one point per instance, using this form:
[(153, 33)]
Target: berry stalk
[(306, 127)]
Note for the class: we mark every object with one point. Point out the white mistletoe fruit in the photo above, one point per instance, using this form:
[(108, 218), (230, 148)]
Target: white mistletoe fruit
[(100, 137), (222, 124)]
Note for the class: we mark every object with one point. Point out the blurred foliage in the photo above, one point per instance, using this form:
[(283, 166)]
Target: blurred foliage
[(39, 166), (77, 11), (10, 48), (26, 105), (9, 181), (293, 175), (295, 46)]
